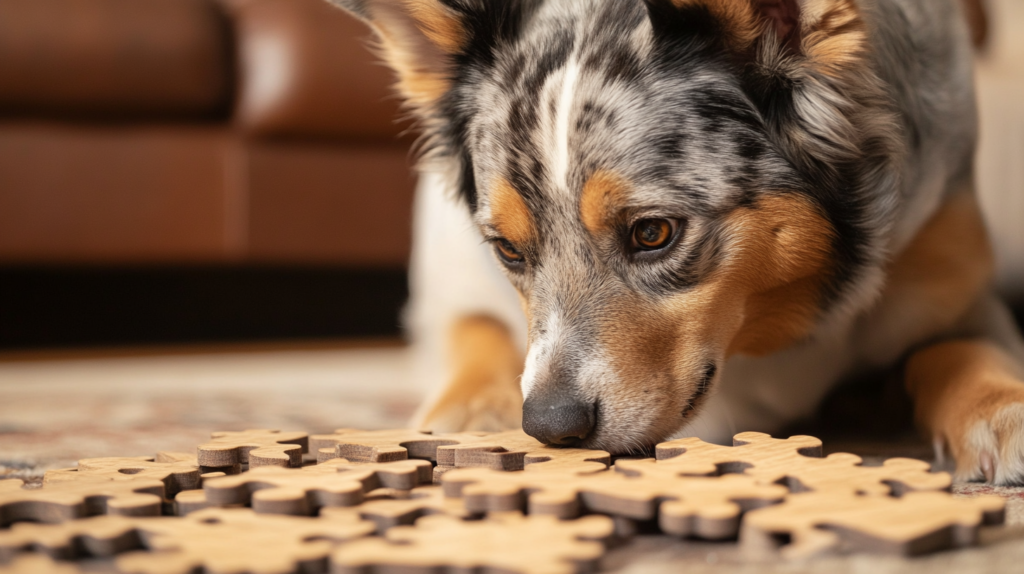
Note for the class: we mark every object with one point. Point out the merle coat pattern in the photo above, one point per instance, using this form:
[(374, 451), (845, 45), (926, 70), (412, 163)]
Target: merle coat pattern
[(802, 169)]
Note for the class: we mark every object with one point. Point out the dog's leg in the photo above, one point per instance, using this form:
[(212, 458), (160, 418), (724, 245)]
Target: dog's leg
[(969, 398), (483, 393)]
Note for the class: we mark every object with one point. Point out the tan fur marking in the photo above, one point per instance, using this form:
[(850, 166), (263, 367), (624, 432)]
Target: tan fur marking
[(738, 16), (783, 267), (484, 393), (510, 215), (835, 37), (603, 195), (438, 23), (763, 298), (420, 86)]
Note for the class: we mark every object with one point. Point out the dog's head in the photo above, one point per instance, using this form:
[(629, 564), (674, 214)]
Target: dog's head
[(666, 182)]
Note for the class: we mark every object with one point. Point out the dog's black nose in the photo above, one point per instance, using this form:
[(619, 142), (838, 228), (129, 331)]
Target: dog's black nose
[(560, 420)]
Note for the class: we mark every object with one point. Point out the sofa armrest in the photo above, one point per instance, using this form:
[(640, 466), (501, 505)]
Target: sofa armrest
[(305, 70)]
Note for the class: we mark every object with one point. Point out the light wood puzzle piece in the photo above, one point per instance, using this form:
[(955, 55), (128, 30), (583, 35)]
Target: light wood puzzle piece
[(64, 501), (390, 507), (38, 564), (255, 448), (707, 507), (510, 450), (797, 462), (507, 542), (214, 540), (516, 450), (824, 522), (382, 445), (176, 476), (303, 492)]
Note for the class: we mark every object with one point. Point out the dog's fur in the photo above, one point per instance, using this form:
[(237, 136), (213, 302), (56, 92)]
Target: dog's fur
[(814, 158)]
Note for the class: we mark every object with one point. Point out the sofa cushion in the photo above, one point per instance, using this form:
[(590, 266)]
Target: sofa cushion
[(306, 71), (114, 57)]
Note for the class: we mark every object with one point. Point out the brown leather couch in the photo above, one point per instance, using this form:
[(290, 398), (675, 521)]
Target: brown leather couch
[(197, 131)]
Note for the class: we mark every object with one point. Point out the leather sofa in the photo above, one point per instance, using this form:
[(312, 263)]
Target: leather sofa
[(252, 132)]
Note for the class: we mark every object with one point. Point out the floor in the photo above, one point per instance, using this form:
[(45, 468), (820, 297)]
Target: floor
[(55, 409)]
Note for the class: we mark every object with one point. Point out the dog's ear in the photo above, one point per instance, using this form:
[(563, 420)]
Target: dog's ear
[(788, 24), (417, 38), (423, 40)]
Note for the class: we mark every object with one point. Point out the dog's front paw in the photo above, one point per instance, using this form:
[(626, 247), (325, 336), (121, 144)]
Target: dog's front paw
[(991, 448), (475, 403)]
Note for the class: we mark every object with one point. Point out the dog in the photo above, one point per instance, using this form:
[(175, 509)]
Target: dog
[(709, 212)]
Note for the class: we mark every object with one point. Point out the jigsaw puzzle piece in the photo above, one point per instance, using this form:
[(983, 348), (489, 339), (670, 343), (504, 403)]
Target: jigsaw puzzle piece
[(303, 492), (389, 507), (176, 476), (63, 501), (214, 540), (825, 522), (37, 564), (516, 450), (705, 507), (382, 445), (504, 542), (797, 462), (255, 448)]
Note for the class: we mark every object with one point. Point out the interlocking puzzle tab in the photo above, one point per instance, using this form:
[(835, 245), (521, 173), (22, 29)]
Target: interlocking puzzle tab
[(63, 501), (797, 462), (214, 540), (505, 542), (507, 451), (824, 522), (255, 448)]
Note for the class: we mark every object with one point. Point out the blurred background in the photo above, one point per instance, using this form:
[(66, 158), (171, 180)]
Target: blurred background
[(205, 212)]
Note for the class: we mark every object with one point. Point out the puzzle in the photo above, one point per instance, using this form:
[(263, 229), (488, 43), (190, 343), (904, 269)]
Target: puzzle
[(86, 496), (686, 506), (176, 475), (542, 545), (213, 540), (512, 450), (776, 496), (916, 523), (797, 462), (38, 564), (272, 490), (388, 507), (255, 448)]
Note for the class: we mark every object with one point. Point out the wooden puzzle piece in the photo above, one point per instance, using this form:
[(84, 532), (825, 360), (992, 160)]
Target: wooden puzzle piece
[(382, 445), (272, 490), (516, 450), (38, 564), (214, 540), (255, 448), (823, 522), (62, 501), (512, 450), (505, 542), (388, 507), (191, 458), (708, 507), (797, 462), (176, 476)]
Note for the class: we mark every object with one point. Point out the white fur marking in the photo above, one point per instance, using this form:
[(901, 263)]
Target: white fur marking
[(539, 353), (561, 152)]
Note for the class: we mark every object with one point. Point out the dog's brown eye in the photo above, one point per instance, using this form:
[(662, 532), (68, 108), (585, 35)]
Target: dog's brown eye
[(652, 234), (507, 252)]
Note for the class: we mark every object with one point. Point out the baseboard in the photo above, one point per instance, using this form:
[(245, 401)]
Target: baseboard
[(63, 307)]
